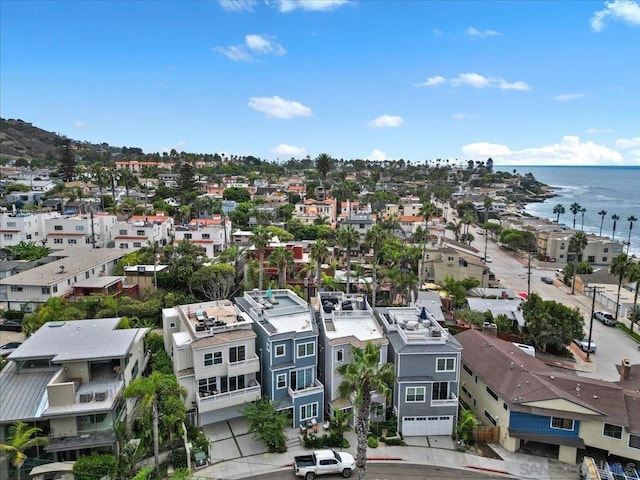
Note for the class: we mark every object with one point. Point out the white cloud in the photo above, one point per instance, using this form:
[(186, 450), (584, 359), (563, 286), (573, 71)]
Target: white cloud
[(286, 6), (238, 5), (475, 80), (437, 33), (384, 121), (254, 44), (264, 45), (626, 10), (570, 151), (627, 143), (596, 131), (474, 32), (431, 81), (567, 97), (463, 115), (80, 124), (377, 156), (276, 107), (179, 146), (290, 150)]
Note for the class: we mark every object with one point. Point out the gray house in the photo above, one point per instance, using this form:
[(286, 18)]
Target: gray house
[(427, 371)]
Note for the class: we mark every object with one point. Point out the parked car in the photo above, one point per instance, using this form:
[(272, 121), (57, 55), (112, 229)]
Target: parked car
[(10, 325), (488, 259), (547, 280), (322, 462), (585, 346), (605, 317), (8, 348)]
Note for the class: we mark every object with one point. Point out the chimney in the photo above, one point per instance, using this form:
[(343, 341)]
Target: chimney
[(490, 329), (625, 371)]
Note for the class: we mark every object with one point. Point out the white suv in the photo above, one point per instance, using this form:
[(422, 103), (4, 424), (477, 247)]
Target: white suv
[(605, 317)]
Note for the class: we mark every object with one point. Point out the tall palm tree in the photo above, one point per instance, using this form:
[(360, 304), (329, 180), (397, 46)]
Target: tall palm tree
[(348, 238), (365, 375), (99, 174), (615, 219), (558, 210), (582, 211), (577, 244), (633, 276), (428, 210), (455, 226), (575, 209), (620, 268), (260, 238), (149, 390), (375, 239), (282, 259), (319, 253), (602, 213), (21, 438), (324, 163), (630, 219)]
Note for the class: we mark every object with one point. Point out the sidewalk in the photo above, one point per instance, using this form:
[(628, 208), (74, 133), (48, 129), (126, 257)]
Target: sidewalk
[(236, 455)]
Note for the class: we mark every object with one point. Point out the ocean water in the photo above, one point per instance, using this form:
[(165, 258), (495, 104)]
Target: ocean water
[(615, 190)]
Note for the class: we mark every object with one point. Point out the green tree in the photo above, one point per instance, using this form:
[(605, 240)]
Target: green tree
[(260, 238), (362, 377), (126, 179), (319, 253), (620, 268), (236, 194), (29, 251), (282, 259), (184, 259), (455, 226), (577, 244), (615, 219), (503, 323), (21, 438), (602, 213), (550, 324), (575, 209), (267, 424), (214, 281), (375, 240), (630, 219), (282, 234), (558, 210), (54, 309), (324, 164), (427, 211), (467, 423), (96, 465), (348, 238), (633, 276), (67, 161)]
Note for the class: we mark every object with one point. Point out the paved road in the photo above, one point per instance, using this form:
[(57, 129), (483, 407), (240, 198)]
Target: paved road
[(612, 344)]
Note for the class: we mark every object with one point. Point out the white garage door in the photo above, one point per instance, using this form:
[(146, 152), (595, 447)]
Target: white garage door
[(416, 426)]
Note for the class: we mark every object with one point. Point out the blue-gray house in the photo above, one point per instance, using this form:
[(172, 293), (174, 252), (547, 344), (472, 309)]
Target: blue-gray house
[(287, 345)]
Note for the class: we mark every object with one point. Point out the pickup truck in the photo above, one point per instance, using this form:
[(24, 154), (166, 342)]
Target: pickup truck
[(322, 462)]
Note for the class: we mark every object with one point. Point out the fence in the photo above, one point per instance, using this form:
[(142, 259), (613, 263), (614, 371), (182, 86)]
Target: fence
[(487, 434)]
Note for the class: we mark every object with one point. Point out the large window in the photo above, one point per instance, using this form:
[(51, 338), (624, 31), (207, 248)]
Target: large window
[(440, 391), (308, 411), (562, 423), (492, 393), (634, 441), (306, 349), (301, 379), (415, 394), (229, 384), (613, 431), (467, 369), (214, 358), (445, 365), (208, 384), (237, 354), (491, 418)]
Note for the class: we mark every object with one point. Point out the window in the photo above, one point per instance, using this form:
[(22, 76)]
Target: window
[(562, 247), (450, 259), (492, 393), (467, 369), (206, 236), (591, 258), (415, 394), (86, 274), (280, 351), (445, 365), (140, 233), (122, 232), (172, 325), (72, 241), (57, 228), (504, 406), (46, 290), (440, 391), (57, 241), (124, 245), (465, 391), (301, 379), (134, 370), (562, 423), (11, 224), (208, 384), (605, 250), (15, 288), (237, 354), (229, 384), (8, 236), (188, 236), (137, 244), (604, 259), (214, 358), (306, 349), (79, 228), (55, 289), (634, 441), (493, 420), (217, 358), (613, 431), (339, 356), (281, 381), (308, 411)]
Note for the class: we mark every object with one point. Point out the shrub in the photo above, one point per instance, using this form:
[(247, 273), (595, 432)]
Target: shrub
[(90, 467), (393, 441), (372, 442), (178, 458)]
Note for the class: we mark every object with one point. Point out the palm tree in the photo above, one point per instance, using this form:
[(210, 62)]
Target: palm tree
[(620, 268), (615, 219), (319, 253), (577, 244), (348, 238), (558, 210), (260, 238), (149, 390), (633, 276), (630, 219), (582, 211), (575, 209), (375, 239), (99, 174), (365, 375), (602, 213), (428, 210), (455, 227), (324, 162), (282, 258), (21, 438)]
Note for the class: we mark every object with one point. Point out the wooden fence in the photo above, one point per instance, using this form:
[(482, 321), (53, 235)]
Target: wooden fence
[(487, 434)]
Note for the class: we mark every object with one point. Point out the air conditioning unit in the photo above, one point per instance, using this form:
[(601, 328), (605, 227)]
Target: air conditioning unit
[(86, 397)]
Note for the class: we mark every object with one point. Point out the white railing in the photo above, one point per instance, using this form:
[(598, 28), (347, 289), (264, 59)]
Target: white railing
[(302, 392), (452, 401), (243, 367), (226, 399)]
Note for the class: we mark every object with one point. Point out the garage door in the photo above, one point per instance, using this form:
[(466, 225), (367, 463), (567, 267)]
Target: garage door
[(416, 426)]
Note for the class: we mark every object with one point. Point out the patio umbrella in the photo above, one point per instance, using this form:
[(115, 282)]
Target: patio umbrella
[(269, 294), (523, 294), (423, 314)]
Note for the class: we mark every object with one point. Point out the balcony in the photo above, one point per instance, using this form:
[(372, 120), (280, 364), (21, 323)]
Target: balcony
[(244, 367), (452, 401), (91, 439), (215, 401), (315, 387)]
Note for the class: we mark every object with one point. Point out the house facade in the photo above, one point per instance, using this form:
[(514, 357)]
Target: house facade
[(426, 360), (213, 348), (80, 231), (23, 227), (287, 342), (142, 229)]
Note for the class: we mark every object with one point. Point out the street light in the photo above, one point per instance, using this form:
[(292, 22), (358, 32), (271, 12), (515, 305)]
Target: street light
[(594, 290)]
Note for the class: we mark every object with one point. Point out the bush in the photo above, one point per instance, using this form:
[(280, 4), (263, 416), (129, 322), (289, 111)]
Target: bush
[(393, 441), (178, 458), (90, 467), (13, 314), (372, 442)]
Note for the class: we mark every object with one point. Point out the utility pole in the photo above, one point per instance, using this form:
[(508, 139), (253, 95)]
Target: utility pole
[(529, 276), (93, 232), (594, 290)]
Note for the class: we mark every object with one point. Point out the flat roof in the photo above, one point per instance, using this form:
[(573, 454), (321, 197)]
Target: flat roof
[(74, 262), (98, 282), (78, 340), (359, 323), (285, 311)]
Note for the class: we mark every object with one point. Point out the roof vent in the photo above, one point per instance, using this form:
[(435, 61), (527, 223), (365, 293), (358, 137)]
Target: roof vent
[(61, 269)]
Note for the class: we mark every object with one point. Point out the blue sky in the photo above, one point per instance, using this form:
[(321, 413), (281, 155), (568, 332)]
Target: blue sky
[(523, 82)]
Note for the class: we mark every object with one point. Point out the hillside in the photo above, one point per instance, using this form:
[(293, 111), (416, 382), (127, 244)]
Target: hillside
[(22, 139)]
